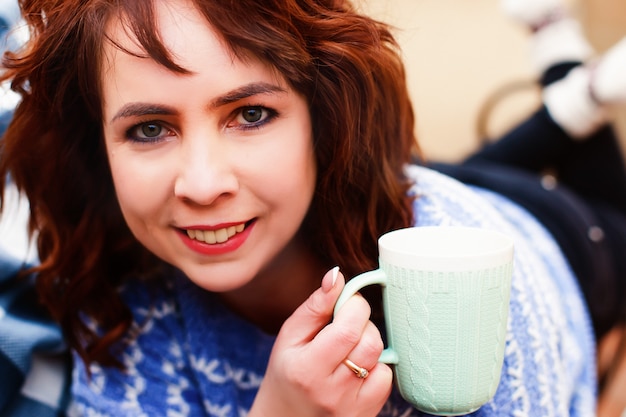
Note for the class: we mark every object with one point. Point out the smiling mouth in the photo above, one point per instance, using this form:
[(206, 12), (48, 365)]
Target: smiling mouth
[(215, 236)]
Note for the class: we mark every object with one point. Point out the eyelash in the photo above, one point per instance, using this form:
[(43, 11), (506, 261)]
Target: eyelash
[(131, 134), (267, 116)]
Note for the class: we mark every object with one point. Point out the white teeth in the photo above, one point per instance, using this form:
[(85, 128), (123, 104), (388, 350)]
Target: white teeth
[(209, 236), (215, 236), (221, 235)]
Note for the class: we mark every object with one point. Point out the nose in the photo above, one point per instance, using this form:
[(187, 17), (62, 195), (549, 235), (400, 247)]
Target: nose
[(206, 171)]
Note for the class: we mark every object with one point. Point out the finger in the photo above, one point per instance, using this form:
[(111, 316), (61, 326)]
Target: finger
[(339, 338), (377, 386), (373, 390), (315, 313), (367, 352)]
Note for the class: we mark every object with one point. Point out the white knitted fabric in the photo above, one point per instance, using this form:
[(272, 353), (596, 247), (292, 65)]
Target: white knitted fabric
[(578, 102), (560, 41), (571, 106), (530, 12), (608, 76)]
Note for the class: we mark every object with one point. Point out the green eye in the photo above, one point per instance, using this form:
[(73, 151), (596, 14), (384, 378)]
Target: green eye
[(251, 117), (151, 130), (252, 114)]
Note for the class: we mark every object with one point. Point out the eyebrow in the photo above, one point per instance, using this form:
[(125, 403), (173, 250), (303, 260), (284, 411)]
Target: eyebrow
[(246, 91), (138, 109), (142, 109)]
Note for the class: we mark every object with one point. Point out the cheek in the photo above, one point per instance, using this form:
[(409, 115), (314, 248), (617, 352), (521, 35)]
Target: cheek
[(299, 172), (294, 179), (138, 186)]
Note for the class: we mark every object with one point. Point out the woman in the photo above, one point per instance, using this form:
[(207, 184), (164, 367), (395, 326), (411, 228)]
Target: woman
[(195, 167)]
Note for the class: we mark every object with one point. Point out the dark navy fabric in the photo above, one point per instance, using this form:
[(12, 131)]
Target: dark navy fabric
[(26, 332)]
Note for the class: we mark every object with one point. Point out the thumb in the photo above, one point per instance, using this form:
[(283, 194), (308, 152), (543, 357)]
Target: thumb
[(316, 312)]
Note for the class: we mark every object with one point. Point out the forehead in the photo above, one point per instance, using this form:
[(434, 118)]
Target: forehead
[(177, 31), (209, 68)]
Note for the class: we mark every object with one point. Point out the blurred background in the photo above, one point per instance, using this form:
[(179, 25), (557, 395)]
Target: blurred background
[(461, 55)]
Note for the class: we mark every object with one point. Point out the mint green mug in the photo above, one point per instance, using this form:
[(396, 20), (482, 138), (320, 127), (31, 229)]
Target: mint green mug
[(446, 294)]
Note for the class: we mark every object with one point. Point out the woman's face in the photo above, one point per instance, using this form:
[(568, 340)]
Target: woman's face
[(214, 170)]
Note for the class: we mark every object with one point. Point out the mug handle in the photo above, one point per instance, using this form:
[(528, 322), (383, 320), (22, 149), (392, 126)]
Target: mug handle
[(377, 276)]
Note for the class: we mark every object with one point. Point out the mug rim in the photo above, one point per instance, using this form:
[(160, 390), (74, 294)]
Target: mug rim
[(438, 248)]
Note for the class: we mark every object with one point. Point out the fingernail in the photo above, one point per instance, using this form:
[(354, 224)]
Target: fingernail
[(335, 274)]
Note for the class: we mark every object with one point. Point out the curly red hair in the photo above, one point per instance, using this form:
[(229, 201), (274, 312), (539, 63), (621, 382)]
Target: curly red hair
[(345, 63)]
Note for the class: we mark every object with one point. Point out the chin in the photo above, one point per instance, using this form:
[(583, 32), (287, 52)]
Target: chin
[(217, 281)]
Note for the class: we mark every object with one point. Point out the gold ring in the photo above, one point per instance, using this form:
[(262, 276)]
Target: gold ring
[(360, 372)]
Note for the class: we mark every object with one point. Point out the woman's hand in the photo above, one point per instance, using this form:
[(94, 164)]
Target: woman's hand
[(306, 374)]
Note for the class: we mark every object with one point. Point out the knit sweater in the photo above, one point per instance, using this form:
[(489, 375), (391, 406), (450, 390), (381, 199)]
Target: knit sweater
[(191, 356)]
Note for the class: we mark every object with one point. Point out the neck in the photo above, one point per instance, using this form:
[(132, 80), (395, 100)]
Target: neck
[(273, 295)]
